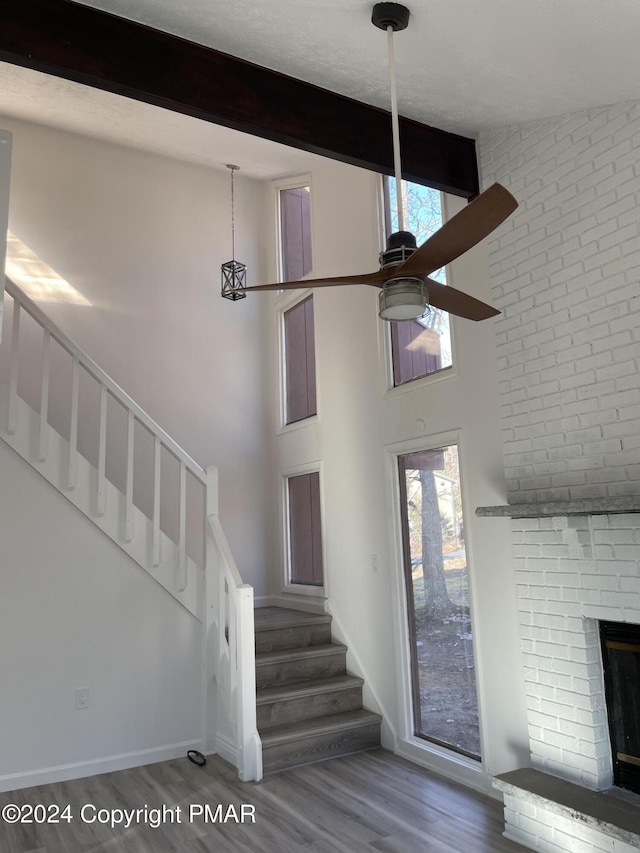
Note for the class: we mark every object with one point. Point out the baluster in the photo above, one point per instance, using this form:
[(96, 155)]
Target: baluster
[(102, 453), (221, 605), (182, 539), (128, 512), (156, 502), (12, 420), (43, 435), (73, 429), (233, 640)]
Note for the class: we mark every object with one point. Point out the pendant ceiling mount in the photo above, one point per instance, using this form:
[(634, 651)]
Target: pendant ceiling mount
[(393, 15)]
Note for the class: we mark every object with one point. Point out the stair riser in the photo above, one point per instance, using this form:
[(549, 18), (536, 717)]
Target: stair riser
[(289, 672), (319, 747), (276, 640), (283, 711)]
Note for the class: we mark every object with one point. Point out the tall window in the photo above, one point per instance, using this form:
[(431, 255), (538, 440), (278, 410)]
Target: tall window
[(305, 532), (418, 347), (299, 362), (295, 232), (439, 617)]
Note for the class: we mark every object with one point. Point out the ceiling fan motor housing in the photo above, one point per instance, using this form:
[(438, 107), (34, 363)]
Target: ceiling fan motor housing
[(400, 245), (392, 15)]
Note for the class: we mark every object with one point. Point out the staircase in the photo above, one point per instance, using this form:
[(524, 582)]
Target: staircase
[(308, 707)]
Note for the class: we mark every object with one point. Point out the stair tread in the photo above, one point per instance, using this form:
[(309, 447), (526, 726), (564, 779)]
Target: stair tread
[(319, 725), (307, 688), (276, 618), (299, 653)]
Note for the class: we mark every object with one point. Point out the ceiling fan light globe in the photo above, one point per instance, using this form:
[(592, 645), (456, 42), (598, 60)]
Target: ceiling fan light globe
[(403, 299)]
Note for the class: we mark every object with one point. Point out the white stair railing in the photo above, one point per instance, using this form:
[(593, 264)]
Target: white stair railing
[(225, 604), (22, 304)]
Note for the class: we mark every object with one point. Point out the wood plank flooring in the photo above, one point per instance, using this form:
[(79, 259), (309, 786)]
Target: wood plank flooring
[(363, 803)]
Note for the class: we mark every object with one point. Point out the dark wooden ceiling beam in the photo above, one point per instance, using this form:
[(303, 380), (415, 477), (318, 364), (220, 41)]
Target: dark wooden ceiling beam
[(82, 44)]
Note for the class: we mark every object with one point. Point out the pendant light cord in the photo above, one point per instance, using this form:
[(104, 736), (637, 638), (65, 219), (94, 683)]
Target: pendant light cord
[(395, 126), (233, 223)]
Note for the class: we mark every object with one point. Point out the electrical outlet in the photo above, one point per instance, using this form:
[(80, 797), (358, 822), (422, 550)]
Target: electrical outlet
[(375, 564), (82, 698)]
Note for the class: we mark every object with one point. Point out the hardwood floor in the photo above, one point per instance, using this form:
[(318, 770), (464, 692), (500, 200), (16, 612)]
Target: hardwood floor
[(367, 802)]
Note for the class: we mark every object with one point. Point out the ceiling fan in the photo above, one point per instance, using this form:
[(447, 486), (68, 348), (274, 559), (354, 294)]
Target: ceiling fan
[(406, 290)]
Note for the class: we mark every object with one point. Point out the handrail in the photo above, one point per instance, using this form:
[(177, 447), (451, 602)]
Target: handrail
[(228, 560), (104, 379)]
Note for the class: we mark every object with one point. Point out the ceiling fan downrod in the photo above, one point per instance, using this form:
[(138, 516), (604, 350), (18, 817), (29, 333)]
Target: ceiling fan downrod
[(393, 17), (402, 298)]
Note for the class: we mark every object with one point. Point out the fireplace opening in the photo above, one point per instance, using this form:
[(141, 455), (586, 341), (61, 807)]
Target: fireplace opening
[(621, 663)]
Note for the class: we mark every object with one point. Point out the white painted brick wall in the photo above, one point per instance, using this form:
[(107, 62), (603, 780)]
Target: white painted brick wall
[(570, 572), (566, 274)]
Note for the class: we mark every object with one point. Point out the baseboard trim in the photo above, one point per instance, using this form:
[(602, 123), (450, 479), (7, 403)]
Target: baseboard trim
[(78, 770), (226, 749)]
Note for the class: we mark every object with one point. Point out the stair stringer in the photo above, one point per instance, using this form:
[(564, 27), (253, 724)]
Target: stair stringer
[(54, 469), (371, 698)]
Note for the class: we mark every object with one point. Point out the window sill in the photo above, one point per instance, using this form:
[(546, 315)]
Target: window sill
[(310, 421), (304, 589), (419, 384), (448, 763)]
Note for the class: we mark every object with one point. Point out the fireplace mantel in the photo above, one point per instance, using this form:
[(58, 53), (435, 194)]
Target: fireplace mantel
[(585, 506)]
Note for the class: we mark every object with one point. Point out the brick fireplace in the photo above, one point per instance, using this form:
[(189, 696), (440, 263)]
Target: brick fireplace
[(566, 277), (571, 570)]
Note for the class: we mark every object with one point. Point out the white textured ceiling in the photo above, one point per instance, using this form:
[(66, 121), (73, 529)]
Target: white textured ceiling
[(462, 65), (32, 96)]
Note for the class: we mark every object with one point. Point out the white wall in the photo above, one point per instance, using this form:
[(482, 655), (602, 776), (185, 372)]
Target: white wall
[(142, 237), (360, 424), (75, 611), (566, 274)]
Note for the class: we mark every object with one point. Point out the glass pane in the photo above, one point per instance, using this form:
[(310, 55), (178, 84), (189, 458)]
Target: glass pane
[(295, 232), (445, 703), (423, 346), (305, 530), (300, 364)]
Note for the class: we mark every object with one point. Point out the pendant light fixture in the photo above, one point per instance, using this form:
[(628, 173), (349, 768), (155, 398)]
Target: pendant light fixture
[(234, 273), (405, 297)]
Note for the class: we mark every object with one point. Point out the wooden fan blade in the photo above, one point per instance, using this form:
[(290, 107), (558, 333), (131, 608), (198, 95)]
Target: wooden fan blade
[(458, 303), (463, 231), (374, 278)]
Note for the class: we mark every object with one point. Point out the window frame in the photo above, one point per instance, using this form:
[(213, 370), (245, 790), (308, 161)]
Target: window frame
[(411, 746), (288, 586), (290, 300), (295, 182), (450, 371), (411, 612)]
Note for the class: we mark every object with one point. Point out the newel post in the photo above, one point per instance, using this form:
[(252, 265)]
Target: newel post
[(210, 645), (249, 745)]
